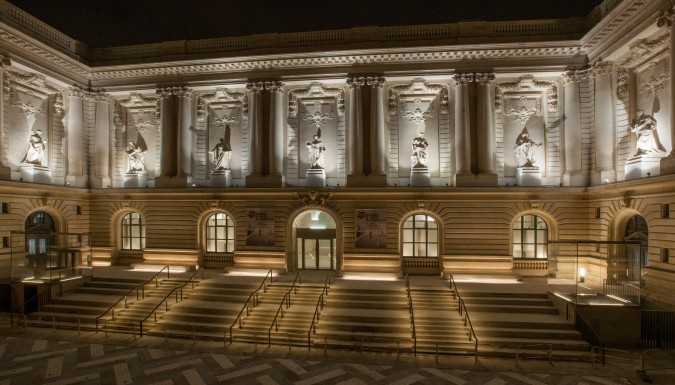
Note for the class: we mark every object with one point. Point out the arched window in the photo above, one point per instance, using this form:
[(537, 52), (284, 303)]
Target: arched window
[(133, 232), (219, 234), (530, 237), (420, 237)]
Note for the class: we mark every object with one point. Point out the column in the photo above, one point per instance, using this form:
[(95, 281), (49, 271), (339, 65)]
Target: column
[(485, 135), (185, 133), (5, 172), (355, 132), (573, 176), (462, 130), (74, 138), (668, 19), (255, 147), (169, 138), (276, 138), (377, 131), (102, 142), (605, 142)]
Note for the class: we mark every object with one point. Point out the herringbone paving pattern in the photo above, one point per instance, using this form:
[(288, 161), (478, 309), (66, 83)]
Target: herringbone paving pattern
[(34, 360)]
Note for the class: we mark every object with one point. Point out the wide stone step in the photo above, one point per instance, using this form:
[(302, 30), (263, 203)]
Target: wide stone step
[(72, 309), (547, 334), (512, 309), (507, 301), (496, 343), (361, 328), (473, 294)]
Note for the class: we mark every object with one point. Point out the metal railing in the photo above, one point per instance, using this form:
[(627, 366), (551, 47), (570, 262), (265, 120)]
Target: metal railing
[(588, 334), (286, 299), (467, 320), (254, 297), (412, 314), (165, 300), (17, 319), (317, 312), (124, 297)]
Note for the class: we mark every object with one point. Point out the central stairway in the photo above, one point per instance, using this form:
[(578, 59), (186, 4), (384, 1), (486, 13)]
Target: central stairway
[(369, 315)]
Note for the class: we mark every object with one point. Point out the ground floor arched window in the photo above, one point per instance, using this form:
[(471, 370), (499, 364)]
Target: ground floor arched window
[(420, 237), (219, 233), (530, 237), (133, 232)]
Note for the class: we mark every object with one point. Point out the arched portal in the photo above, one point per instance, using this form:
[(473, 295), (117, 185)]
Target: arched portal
[(636, 230), (315, 240), (40, 236)]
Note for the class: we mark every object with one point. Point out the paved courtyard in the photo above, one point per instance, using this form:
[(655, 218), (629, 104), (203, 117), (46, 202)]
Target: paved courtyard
[(64, 357)]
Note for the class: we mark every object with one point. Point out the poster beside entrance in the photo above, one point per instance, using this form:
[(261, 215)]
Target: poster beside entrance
[(259, 227), (371, 228)]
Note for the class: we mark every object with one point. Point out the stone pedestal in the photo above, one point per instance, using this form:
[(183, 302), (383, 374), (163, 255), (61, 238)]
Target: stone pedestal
[(316, 178), (420, 177), (264, 181), (179, 181), (135, 180), (668, 165), (221, 178), (528, 176), (35, 173), (642, 166)]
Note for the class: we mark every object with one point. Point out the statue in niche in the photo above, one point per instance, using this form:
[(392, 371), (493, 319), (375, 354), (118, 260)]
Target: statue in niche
[(136, 153), (316, 152), (222, 153), (524, 149), (644, 127), (36, 149), (419, 157)]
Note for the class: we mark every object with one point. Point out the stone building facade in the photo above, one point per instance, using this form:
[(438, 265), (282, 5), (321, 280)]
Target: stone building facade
[(460, 148)]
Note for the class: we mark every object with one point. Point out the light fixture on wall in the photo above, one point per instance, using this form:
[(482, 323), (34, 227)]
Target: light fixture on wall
[(582, 274)]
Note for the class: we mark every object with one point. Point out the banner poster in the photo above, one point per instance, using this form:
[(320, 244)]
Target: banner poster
[(259, 227), (371, 228)]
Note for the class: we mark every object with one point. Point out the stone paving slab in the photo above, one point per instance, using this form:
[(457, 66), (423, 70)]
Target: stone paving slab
[(43, 357)]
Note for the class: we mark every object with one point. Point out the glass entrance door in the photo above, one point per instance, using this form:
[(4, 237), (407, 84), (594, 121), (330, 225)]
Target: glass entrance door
[(316, 254)]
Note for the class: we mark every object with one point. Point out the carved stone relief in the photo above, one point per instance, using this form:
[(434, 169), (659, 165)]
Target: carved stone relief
[(528, 83), (221, 96), (316, 90)]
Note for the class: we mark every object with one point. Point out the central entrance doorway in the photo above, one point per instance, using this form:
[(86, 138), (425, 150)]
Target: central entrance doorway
[(315, 241)]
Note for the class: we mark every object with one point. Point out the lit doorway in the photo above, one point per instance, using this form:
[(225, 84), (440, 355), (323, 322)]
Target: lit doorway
[(315, 241)]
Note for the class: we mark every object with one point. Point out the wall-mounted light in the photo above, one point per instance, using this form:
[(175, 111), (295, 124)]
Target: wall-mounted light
[(582, 274)]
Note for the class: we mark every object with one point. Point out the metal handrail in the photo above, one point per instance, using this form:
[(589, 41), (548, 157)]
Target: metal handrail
[(412, 313), (463, 311), (124, 297), (317, 311), (255, 303), (166, 300), (286, 298), (19, 316)]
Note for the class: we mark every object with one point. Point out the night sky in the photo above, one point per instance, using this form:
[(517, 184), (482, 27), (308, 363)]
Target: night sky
[(100, 23)]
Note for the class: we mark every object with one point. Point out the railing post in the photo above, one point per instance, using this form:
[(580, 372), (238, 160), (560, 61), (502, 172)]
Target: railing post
[(25, 324), (362, 340), (78, 326), (517, 352), (550, 354), (105, 326), (194, 334), (325, 347), (53, 324), (398, 350), (133, 330), (224, 338), (436, 354)]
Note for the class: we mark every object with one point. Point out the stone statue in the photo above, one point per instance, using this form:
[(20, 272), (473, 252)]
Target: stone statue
[(419, 157), (316, 152), (644, 127), (523, 149), (36, 149), (221, 155), (136, 154)]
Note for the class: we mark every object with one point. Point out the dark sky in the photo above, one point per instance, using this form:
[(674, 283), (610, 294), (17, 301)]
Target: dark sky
[(100, 23)]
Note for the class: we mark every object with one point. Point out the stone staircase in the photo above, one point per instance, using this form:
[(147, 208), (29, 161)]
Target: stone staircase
[(128, 320), (506, 322), (81, 308), (209, 310), (439, 328), (369, 315)]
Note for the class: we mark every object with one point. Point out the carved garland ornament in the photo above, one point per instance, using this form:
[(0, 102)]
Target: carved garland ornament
[(136, 100), (418, 87), (316, 90), (527, 83), (313, 198), (34, 85), (222, 95)]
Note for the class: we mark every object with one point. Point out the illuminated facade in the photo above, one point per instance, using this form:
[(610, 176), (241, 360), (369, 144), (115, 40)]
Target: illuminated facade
[(431, 149)]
